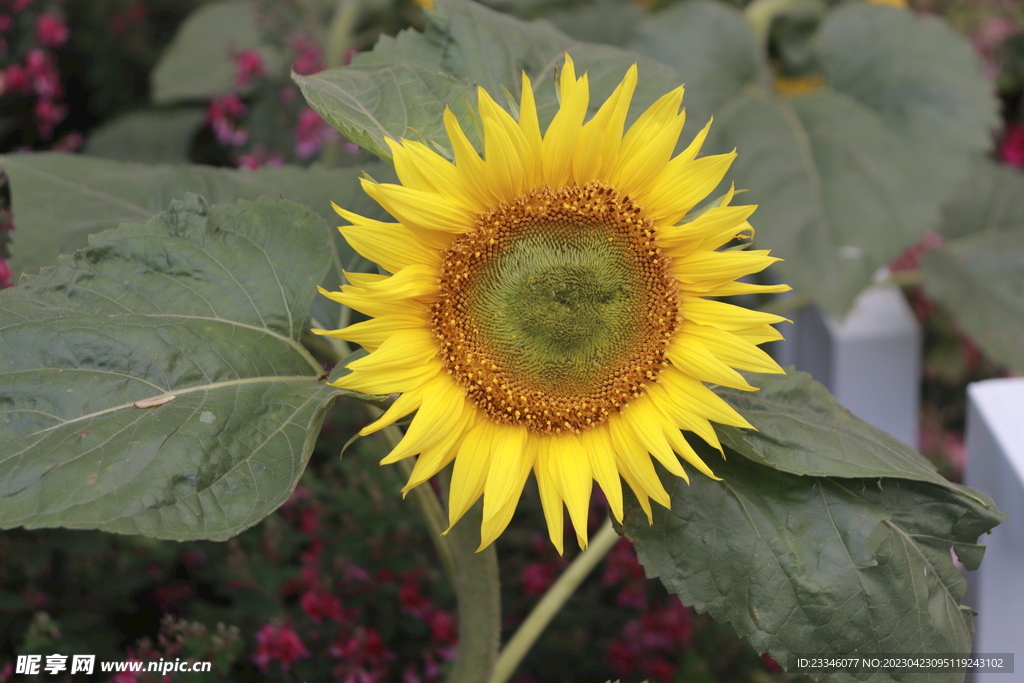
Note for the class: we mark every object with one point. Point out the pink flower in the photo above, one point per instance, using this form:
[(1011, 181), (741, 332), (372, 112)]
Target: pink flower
[(537, 577), (443, 628), (248, 66), (319, 605), (17, 79), (413, 601), (48, 115), (258, 160), (5, 274), (308, 57), (223, 115), (1011, 149), (364, 657), (43, 72), (5, 22), (19, 6), (51, 31), (278, 643), (311, 133)]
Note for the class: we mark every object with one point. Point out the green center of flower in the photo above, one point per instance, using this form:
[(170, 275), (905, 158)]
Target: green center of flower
[(557, 309), (561, 306)]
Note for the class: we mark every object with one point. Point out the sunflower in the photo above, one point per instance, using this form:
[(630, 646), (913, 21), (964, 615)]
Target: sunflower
[(548, 305)]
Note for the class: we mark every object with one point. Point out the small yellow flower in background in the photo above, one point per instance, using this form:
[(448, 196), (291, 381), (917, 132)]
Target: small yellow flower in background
[(426, 4), (548, 312), (892, 3), (795, 85)]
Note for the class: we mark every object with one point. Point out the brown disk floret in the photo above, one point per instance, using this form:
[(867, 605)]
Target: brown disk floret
[(493, 378)]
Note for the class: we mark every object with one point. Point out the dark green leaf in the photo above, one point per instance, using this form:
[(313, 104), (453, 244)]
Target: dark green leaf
[(152, 137), (802, 429), (154, 384), (849, 175), (816, 565), (369, 104), (401, 88), (712, 48), (608, 22), (980, 279), (199, 64), (991, 200)]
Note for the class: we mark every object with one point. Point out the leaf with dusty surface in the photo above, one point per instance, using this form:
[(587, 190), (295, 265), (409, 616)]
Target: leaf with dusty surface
[(154, 382)]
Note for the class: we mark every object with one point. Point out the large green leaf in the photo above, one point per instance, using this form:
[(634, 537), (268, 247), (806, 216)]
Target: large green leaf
[(60, 199), (401, 88), (199, 64), (849, 175), (371, 103), (802, 429), (991, 200), (153, 137), (154, 383), (713, 49), (808, 565), (980, 279)]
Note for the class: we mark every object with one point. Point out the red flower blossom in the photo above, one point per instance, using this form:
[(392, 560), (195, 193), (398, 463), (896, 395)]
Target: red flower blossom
[(223, 115), (17, 79), (537, 577), (364, 657), (51, 31), (1011, 149), (311, 132), (319, 604), (412, 599), (48, 115), (308, 57), (278, 643), (443, 627), (5, 275), (248, 66)]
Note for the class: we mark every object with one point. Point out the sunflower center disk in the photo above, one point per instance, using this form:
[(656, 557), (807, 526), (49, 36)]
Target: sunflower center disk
[(557, 309)]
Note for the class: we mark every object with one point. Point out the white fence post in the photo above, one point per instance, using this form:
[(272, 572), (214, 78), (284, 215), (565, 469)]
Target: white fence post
[(870, 361), (995, 466)]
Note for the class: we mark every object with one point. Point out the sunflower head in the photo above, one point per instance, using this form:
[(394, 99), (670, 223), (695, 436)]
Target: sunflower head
[(549, 308)]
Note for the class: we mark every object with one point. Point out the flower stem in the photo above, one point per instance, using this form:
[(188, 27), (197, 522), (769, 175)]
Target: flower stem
[(552, 602), (473, 576), (478, 590)]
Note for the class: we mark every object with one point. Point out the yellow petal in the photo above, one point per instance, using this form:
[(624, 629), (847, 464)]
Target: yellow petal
[(680, 188), (370, 334), (470, 472), (600, 138), (731, 349), (426, 210), (723, 315), (648, 427), (694, 359), (704, 402), (436, 457), (647, 147), (403, 405), (407, 348), (436, 419), (467, 161), (512, 458), (506, 152), (559, 144), (550, 500), (530, 125), (574, 478), (597, 443)]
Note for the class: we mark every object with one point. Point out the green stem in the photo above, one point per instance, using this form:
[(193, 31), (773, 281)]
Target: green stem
[(478, 589), (552, 602)]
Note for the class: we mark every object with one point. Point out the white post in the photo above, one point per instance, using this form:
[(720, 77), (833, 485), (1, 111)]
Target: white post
[(870, 361), (995, 466)]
